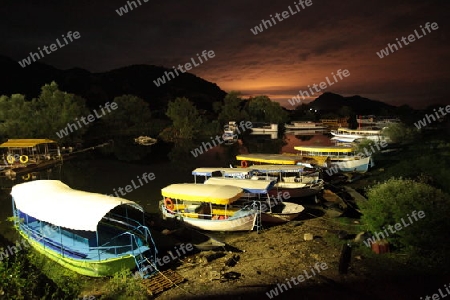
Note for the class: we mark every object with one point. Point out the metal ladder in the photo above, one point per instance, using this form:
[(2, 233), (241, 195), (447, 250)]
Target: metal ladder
[(142, 261), (256, 205)]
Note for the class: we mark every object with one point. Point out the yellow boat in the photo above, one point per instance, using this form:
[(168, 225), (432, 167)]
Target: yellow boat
[(207, 207), (26, 155), (341, 157)]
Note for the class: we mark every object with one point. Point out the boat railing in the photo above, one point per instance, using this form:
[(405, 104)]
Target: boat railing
[(107, 247)]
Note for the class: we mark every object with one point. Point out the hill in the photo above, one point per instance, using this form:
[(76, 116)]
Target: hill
[(98, 88), (329, 102)]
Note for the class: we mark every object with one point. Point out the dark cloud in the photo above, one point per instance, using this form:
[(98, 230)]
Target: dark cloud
[(294, 53)]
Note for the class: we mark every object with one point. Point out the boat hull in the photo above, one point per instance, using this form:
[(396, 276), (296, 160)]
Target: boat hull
[(354, 165), (297, 193), (289, 212), (245, 222), (92, 268)]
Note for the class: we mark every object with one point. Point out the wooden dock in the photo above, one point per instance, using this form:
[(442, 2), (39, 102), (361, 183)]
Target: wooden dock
[(162, 281)]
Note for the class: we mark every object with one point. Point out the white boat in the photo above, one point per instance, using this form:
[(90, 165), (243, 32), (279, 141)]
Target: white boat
[(265, 128), (296, 180), (273, 210), (207, 207), (89, 233), (230, 133), (350, 135), (343, 158), (305, 125), (374, 121), (145, 140)]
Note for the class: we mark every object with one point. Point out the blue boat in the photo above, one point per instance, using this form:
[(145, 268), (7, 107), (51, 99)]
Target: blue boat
[(89, 233)]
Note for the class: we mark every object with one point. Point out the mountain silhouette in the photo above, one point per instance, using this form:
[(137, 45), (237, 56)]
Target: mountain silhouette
[(330, 102), (98, 88)]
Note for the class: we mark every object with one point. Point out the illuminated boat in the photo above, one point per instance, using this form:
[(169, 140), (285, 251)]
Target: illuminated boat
[(305, 125), (207, 207), (350, 135), (343, 158), (273, 210), (89, 233), (27, 155)]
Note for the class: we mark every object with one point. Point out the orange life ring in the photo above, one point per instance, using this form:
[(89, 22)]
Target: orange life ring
[(244, 164), (169, 204)]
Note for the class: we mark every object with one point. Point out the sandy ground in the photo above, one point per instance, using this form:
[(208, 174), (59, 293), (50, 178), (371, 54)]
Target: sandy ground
[(276, 254)]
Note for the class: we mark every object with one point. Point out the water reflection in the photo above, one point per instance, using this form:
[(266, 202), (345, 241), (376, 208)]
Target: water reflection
[(101, 172)]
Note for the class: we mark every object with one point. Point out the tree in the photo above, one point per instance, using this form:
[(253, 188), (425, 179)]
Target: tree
[(262, 109), (132, 116), (395, 201), (231, 109), (400, 133), (186, 120), (42, 117)]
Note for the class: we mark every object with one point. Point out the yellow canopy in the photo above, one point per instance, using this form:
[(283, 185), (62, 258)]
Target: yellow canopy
[(325, 149), (23, 143), (273, 159), (216, 194)]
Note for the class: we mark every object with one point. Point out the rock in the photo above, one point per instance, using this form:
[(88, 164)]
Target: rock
[(166, 232), (308, 237), (362, 236)]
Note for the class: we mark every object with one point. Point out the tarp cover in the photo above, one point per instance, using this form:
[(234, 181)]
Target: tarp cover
[(217, 194), (55, 202), (248, 185), (22, 143)]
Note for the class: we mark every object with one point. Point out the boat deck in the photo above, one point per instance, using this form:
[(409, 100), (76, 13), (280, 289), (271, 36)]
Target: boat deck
[(83, 245)]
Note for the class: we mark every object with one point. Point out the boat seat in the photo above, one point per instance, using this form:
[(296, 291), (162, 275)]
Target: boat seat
[(289, 179), (223, 212)]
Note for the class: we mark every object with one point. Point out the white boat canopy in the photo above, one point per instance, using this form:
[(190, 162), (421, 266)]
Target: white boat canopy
[(56, 203), (248, 185), (225, 171), (217, 194), (277, 168)]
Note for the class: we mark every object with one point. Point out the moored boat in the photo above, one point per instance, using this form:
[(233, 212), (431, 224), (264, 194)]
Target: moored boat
[(264, 128), (207, 207), (89, 233), (272, 210), (272, 159), (305, 125), (26, 155), (145, 140), (297, 181), (350, 135), (342, 157)]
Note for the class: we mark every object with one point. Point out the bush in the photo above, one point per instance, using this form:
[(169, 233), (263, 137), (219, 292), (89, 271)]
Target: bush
[(124, 286), (390, 202)]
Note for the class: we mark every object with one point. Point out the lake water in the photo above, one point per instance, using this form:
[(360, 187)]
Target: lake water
[(169, 165)]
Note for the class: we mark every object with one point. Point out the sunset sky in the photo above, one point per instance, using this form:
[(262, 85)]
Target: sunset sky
[(301, 50)]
